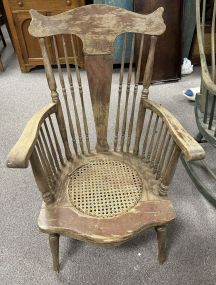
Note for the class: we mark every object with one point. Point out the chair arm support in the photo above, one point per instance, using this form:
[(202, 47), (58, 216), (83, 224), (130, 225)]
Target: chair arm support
[(22, 150), (190, 148)]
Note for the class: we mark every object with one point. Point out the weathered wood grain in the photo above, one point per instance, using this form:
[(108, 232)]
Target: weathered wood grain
[(54, 246), (99, 72), (108, 231), (22, 150), (97, 25), (120, 91), (147, 76), (161, 236), (41, 178), (206, 76), (130, 71), (130, 127), (188, 145), (46, 145)]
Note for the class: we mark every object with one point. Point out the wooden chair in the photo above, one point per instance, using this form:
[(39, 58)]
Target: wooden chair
[(108, 193), (202, 173)]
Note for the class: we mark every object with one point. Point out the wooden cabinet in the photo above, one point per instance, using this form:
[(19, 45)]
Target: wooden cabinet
[(27, 47), (168, 53), (30, 48)]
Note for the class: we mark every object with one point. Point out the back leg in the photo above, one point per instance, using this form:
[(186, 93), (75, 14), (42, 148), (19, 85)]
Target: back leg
[(54, 246), (2, 37), (161, 237), (1, 65)]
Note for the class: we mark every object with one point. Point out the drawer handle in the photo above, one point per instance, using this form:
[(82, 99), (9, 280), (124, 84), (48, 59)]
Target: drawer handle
[(20, 3), (68, 2)]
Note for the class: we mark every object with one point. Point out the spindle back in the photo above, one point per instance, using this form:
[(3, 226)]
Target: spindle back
[(205, 20), (97, 26)]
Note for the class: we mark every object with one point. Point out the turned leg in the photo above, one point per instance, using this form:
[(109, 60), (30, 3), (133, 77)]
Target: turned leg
[(2, 37), (1, 65), (54, 246), (161, 237)]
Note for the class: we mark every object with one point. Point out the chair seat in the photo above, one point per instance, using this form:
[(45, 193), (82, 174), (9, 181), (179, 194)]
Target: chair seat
[(106, 199)]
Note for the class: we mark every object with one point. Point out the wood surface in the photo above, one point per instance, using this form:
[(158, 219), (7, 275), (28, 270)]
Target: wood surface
[(99, 72), (54, 246), (97, 38), (206, 77), (59, 148), (27, 47), (150, 211), (161, 236), (168, 55), (22, 150), (191, 149)]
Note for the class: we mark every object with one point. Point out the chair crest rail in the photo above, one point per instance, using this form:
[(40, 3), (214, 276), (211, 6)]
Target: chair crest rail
[(97, 25)]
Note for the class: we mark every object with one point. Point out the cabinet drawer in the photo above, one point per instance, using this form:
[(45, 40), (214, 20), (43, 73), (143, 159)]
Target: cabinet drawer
[(48, 5)]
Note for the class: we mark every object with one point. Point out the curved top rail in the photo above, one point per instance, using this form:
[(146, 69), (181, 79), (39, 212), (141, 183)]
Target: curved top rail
[(97, 25)]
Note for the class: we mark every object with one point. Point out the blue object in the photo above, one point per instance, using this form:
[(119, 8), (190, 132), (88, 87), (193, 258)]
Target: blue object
[(189, 92), (126, 4)]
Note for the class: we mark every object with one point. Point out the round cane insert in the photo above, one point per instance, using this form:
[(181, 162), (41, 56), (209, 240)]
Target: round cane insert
[(104, 188)]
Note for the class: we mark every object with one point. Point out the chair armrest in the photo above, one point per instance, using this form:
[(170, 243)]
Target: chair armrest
[(22, 150), (190, 148)]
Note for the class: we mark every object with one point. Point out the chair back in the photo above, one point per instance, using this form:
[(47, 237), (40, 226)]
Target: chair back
[(97, 26)]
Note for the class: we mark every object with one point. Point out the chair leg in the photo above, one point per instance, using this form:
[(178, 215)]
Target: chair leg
[(1, 65), (161, 237), (2, 37), (54, 246)]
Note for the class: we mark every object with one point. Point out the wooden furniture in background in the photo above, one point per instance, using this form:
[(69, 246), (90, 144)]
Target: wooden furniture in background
[(3, 41), (27, 47), (107, 193), (168, 55), (195, 54), (203, 173)]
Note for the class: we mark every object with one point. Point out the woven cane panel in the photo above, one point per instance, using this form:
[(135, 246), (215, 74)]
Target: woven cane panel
[(104, 188)]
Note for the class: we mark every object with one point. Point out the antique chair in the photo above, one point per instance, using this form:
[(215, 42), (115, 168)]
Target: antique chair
[(203, 172), (108, 193)]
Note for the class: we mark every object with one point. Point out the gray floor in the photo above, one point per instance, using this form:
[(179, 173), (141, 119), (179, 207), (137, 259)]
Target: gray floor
[(24, 251)]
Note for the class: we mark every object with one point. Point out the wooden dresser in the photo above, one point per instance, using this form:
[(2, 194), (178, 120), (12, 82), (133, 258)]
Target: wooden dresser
[(27, 48), (168, 53)]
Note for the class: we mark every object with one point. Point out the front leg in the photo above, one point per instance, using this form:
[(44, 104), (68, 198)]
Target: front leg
[(161, 237), (54, 246)]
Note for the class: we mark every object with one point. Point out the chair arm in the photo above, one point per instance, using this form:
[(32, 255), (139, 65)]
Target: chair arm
[(190, 148), (22, 150)]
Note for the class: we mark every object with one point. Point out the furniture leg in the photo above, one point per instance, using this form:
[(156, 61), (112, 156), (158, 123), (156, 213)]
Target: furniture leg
[(54, 246), (161, 237), (1, 65), (200, 139), (2, 37)]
